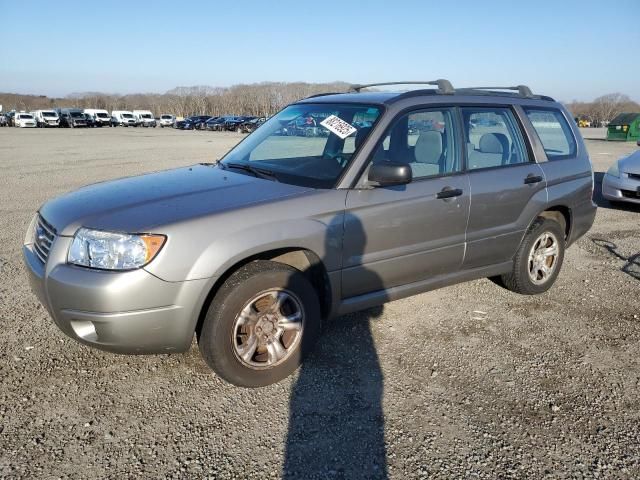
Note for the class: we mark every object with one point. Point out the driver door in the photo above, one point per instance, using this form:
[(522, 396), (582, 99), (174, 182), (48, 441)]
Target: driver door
[(399, 235)]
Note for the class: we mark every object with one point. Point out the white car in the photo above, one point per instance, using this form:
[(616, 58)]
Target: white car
[(621, 183), (124, 118), (46, 118), (100, 117), (144, 118), (25, 120), (167, 120)]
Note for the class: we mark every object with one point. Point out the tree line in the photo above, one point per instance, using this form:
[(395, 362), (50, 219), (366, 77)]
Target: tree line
[(260, 99), (603, 109)]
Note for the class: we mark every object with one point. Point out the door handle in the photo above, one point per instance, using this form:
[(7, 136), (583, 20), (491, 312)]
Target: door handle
[(448, 192), (531, 178)]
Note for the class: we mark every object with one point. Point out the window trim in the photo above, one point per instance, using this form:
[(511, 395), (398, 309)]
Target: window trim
[(526, 108), (455, 122), (519, 128)]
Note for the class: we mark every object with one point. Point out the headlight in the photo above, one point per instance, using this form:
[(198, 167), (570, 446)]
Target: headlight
[(113, 251), (614, 171)]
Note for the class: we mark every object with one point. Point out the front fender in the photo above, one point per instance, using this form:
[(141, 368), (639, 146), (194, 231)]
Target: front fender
[(207, 247)]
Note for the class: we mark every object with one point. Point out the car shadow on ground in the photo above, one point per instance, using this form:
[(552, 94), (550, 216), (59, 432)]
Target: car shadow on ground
[(602, 202), (336, 420), (632, 262)]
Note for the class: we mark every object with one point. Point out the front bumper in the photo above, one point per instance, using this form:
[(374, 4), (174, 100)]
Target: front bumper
[(623, 189), (130, 312)]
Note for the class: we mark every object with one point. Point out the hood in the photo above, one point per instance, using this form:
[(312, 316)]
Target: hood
[(138, 204), (630, 164)]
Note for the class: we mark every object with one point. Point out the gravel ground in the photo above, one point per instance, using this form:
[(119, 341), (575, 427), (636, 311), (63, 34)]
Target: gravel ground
[(466, 381)]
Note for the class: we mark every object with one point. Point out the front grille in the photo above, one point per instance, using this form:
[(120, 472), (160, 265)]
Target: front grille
[(44, 237), (635, 176)]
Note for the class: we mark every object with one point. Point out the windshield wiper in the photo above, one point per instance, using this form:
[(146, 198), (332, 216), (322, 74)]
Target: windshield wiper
[(258, 172)]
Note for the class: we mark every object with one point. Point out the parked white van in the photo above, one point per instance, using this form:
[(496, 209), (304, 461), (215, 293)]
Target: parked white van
[(167, 120), (100, 117), (46, 118), (24, 120), (124, 118), (144, 118)]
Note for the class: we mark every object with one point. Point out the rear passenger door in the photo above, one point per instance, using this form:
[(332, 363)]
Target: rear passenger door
[(507, 187)]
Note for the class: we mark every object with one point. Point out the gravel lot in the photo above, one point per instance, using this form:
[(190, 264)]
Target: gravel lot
[(466, 381)]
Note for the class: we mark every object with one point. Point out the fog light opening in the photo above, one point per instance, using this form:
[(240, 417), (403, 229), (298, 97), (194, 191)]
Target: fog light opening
[(85, 330)]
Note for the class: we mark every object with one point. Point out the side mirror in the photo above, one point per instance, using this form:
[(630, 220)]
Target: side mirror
[(389, 173)]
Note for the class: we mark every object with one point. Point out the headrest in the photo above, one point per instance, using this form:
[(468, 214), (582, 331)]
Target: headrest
[(361, 134), (494, 143), (428, 148)]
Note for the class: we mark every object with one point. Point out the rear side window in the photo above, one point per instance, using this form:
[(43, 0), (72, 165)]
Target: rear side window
[(493, 138), (554, 132)]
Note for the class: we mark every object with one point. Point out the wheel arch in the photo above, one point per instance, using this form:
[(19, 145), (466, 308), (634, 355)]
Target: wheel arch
[(302, 259), (561, 214)]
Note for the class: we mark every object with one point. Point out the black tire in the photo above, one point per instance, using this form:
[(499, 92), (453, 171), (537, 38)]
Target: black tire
[(519, 279), (216, 338)]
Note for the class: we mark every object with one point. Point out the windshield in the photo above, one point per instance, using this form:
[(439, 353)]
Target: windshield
[(49, 114), (166, 117), (102, 115), (76, 114), (127, 115), (296, 148), (145, 115), (26, 116)]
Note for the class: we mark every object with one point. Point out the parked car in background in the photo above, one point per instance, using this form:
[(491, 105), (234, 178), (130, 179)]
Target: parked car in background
[(144, 118), (99, 117), (214, 124), (621, 183), (46, 118), (167, 120), (25, 120), (3, 120), (125, 118), (10, 116), (113, 122), (72, 118), (232, 124), (249, 126), (196, 122)]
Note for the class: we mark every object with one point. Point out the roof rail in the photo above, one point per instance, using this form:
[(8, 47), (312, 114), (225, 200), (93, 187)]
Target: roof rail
[(444, 86), (522, 90), (322, 94)]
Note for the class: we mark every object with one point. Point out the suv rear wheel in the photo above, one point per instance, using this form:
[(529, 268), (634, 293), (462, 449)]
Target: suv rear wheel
[(262, 322), (538, 260)]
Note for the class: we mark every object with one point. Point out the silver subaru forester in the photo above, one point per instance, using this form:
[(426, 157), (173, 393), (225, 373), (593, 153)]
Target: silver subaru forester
[(339, 202)]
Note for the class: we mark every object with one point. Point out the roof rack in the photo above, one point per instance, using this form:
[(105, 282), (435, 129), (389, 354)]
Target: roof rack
[(522, 90), (444, 86)]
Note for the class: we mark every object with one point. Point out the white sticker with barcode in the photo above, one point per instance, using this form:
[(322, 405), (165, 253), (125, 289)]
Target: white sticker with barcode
[(338, 126)]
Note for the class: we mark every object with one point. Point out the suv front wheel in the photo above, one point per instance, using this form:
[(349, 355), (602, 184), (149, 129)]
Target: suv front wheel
[(262, 322), (538, 260)]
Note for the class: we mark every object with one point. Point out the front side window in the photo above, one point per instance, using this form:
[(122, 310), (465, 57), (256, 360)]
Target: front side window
[(294, 147), (49, 114), (554, 133), (493, 138), (425, 140)]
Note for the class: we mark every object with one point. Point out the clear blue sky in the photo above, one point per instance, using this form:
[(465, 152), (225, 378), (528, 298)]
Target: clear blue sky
[(567, 49)]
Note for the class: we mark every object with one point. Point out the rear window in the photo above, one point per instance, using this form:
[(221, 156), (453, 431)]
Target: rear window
[(554, 132)]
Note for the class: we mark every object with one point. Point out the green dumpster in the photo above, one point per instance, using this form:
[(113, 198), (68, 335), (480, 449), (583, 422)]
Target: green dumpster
[(625, 126)]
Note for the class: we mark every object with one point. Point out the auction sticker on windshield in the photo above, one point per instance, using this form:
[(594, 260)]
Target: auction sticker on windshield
[(338, 126)]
